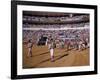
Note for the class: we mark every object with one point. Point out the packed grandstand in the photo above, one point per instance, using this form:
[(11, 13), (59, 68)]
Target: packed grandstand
[(70, 28)]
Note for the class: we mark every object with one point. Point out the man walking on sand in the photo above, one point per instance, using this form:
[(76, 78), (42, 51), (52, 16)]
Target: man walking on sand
[(51, 48), (30, 45)]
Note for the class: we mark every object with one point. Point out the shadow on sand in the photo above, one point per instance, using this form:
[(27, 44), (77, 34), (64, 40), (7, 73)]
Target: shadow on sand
[(41, 54), (55, 59)]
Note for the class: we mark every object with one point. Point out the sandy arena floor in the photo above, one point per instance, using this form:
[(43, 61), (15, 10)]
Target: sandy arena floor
[(63, 58)]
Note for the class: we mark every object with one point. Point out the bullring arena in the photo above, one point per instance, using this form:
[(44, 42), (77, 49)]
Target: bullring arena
[(70, 35)]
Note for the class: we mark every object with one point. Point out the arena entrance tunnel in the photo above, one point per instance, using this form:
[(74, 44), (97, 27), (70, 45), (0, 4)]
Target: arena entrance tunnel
[(42, 40)]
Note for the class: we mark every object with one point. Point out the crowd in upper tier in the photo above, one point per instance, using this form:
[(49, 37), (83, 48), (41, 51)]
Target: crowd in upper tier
[(53, 19)]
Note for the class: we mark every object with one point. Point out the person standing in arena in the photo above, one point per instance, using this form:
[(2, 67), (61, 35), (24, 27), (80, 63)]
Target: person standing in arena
[(46, 43), (51, 48), (30, 45)]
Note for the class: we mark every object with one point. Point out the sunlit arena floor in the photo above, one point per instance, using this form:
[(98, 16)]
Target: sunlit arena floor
[(62, 57)]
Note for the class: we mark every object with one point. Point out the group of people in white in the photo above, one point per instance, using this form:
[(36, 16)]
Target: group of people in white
[(67, 39), (68, 44)]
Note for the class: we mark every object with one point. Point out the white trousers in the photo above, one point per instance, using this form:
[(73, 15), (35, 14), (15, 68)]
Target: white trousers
[(51, 52), (29, 51)]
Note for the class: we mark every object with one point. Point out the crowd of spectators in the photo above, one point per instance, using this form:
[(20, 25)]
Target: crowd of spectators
[(55, 25), (64, 33), (56, 34), (54, 19)]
